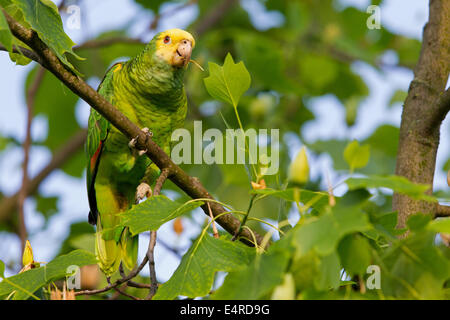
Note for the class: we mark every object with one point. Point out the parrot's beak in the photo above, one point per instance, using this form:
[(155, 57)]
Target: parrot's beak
[(183, 53)]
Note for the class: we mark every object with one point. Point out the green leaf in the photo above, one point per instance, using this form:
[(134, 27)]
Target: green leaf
[(440, 225), (396, 183), (355, 253), (229, 82), (328, 273), (207, 255), (43, 17), (154, 212), (356, 156), (415, 268), (84, 241), (33, 279), (257, 279), (418, 221), (6, 37), (324, 232), (2, 269)]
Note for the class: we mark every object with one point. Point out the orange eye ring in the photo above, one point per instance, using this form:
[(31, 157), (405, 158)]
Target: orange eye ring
[(167, 40)]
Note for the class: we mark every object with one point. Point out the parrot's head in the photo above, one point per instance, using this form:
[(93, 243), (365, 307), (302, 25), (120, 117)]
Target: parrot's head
[(174, 46)]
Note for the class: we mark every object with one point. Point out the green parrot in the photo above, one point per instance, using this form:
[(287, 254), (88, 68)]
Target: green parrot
[(148, 89)]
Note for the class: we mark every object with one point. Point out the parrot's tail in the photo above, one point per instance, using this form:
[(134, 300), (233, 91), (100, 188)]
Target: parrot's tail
[(110, 251), (129, 246)]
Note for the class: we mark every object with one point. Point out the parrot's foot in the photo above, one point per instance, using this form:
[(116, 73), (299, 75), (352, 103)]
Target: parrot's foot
[(132, 143), (143, 190)]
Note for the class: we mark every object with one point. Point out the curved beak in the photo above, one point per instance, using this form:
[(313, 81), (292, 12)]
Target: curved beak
[(183, 53)]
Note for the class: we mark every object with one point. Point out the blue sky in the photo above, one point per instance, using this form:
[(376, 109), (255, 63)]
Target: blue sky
[(404, 17)]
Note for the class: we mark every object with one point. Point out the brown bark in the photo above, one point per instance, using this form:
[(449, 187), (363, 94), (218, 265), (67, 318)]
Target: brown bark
[(424, 110)]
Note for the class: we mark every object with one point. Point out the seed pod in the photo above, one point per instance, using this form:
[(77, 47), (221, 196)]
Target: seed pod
[(299, 169), (27, 257)]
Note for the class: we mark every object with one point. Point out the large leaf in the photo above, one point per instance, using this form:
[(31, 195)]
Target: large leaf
[(154, 212), (356, 156), (323, 233), (229, 82), (43, 17), (415, 269), (396, 183), (355, 253), (33, 279), (195, 274), (440, 225), (6, 37), (257, 279)]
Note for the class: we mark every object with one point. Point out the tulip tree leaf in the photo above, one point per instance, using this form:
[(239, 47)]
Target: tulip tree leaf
[(207, 255), (356, 156), (154, 212), (33, 279), (229, 82), (396, 183), (44, 18)]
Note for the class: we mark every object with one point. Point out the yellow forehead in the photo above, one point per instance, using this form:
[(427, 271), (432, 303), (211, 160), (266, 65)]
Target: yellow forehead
[(176, 35)]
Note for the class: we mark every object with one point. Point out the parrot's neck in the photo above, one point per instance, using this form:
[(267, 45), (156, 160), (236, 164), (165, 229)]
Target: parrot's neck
[(155, 80)]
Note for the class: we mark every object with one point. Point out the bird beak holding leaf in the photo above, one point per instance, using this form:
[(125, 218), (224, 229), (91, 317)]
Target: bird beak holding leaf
[(183, 53)]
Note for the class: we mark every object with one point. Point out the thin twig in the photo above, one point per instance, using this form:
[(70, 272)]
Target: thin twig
[(170, 248), (30, 99), (244, 221), (151, 246), (119, 290), (151, 265), (118, 282)]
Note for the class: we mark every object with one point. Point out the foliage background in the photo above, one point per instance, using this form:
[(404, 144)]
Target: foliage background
[(335, 81)]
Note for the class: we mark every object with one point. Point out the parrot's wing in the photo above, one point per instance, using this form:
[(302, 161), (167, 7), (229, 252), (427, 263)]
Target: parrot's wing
[(98, 128)]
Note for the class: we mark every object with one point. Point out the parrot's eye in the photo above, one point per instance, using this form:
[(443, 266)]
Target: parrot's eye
[(167, 39)]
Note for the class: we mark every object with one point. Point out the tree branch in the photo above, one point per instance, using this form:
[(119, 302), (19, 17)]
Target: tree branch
[(442, 211), (190, 185), (440, 110)]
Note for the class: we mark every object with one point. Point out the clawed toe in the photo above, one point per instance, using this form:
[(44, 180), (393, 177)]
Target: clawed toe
[(143, 190)]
